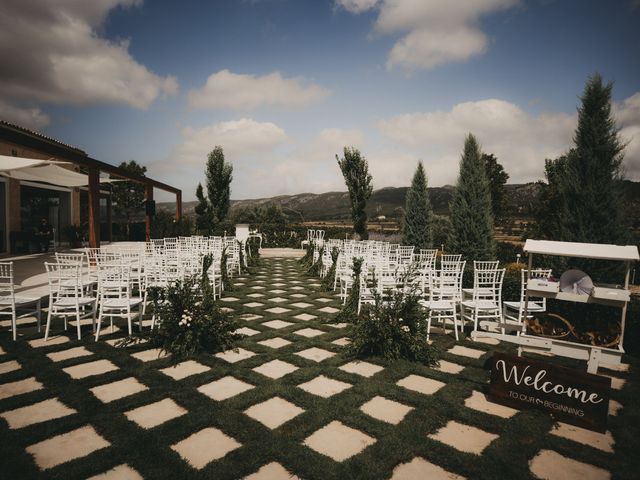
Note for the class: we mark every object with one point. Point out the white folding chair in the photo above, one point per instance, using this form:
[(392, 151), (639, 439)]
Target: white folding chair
[(66, 296), (446, 293), (10, 303), (486, 301), (114, 288), (513, 311)]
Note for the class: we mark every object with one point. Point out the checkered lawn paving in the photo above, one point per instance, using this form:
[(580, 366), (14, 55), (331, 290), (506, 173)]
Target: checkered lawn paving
[(286, 402)]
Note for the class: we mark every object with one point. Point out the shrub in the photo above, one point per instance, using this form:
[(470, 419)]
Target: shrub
[(394, 329), (350, 308), (315, 268), (190, 321), (227, 284), (329, 279)]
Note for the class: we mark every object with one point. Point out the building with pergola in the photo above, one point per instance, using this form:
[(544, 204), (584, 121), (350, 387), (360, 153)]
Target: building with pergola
[(49, 178)]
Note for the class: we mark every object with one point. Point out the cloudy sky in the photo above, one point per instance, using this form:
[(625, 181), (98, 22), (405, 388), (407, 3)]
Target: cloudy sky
[(284, 85)]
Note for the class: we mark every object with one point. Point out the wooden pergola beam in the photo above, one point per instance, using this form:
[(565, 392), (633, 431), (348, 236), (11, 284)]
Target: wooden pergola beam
[(94, 208)]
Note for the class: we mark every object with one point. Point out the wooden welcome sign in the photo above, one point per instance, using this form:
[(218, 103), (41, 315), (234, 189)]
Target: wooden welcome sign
[(571, 396)]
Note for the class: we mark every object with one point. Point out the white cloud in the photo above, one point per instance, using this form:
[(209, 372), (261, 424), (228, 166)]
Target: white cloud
[(357, 6), (52, 53), (521, 141), (435, 31), (32, 118), (627, 114), (236, 137), (226, 89)]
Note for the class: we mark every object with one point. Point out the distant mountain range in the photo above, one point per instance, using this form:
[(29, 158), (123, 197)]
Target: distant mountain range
[(389, 202)]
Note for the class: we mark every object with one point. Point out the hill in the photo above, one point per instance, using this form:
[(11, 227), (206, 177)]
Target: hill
[(389, 202)]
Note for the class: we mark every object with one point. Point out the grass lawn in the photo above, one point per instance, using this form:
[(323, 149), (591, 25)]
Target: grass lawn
[(243, 444)]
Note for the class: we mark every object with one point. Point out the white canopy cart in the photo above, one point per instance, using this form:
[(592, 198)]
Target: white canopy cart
[(604, 295)]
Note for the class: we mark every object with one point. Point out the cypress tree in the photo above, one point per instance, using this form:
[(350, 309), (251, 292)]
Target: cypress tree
[(471, 217), (355, 171), (219, 174), (593, 180), (418, 217)]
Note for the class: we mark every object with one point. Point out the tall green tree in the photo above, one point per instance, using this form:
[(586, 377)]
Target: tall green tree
[(205, 219), (497, 180), (355, 171), (583, 193), (595, 210), (219, 175), (471, 217), (128, 197), (418, 217)]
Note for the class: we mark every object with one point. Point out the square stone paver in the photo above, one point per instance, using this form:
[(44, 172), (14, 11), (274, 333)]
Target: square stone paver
[(296, 288), (324, 300), (278, 310), (466, 352), (154, 414), (614, 406), (337, 325), (20, 387), (89, 369), (184, 369), (225, 387), (329, 310), (342, 342), (298, 295), (255, 295), (68, 446), (385, 410), (338, 442), (324, 386), (247, 332), (204, 447), (121, 472), (277, 291), (117, 390), (315, 354), (249, 317), (276, 342), (277, 300), (427, 386), (464, 437), (301, 305), (278, 284), (601, 441), (274, 412), (258, 287), (305, 317), (272, 471), (364, 369), (478, 401), (419, 468), (254, 304), (52, 340), (309, 332), (229, 299), (275, 369), (233, 356), (36, 413), (149, 355), (277, 324), (69, 353), (616, 383), (449, 367), (550, 465)]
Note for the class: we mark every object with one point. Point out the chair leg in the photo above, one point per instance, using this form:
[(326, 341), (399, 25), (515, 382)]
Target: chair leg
[(99, 325), (455, 324), (39, 314), (46, 330), (78, 322), (429, 325), (14, 323), (129, 320), (93, 316)]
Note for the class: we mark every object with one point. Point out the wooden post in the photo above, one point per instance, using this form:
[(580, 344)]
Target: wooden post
[(178, 205), (109, 219), (94, 208), (148, 217)]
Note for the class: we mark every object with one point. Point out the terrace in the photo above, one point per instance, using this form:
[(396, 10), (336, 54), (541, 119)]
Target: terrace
[(288, 402)]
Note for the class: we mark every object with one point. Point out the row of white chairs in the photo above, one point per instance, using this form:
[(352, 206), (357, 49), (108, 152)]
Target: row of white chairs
[(438, 279)]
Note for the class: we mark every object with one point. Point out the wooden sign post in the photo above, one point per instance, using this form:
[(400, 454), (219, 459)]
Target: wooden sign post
[(569, 395)]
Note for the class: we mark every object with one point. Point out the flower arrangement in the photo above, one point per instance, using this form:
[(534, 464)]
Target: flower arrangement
[(393, 329)]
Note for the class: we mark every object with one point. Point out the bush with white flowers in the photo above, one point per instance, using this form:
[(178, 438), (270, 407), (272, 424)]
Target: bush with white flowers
[(394, 328), (189, 321)]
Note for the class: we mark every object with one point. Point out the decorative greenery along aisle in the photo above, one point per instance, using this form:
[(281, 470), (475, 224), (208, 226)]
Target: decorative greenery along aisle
[(280, 398)]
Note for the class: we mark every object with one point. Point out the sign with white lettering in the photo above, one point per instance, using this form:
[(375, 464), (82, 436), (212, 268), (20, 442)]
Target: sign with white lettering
[(571, 396)]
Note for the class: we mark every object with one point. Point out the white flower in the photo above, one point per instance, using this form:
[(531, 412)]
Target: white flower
[(406, 328)]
